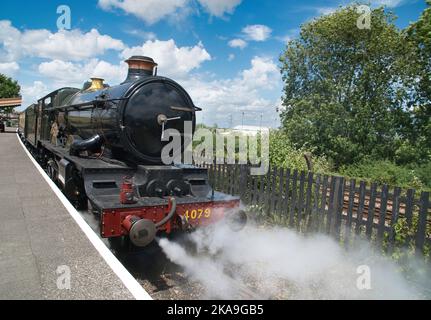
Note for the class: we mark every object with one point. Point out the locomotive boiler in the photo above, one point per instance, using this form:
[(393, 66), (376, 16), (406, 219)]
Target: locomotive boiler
[(103, 146)]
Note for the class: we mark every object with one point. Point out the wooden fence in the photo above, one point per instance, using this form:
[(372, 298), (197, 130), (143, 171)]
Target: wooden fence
[(345, 208)]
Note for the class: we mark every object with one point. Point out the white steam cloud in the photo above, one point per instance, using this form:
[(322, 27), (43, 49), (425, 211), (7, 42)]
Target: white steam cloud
[(276, 263)]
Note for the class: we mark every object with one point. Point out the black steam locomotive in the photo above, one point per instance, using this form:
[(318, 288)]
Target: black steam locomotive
[(102, 145)]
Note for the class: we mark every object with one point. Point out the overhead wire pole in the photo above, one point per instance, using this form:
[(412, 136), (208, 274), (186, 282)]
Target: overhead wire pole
[(252, 112)]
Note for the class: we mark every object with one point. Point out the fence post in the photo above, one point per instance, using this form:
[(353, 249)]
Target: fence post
[(308, 195), (348, 225), (339, 208), (211, 175), (300, 205), (262, 191), (331, 203), (395, 212), (286, 202), (361, 204), (270, 189), (371, 209), (409, 206), (243, 186), (422, 223), (281, 189), (273, 201), (255, 189), (293, 199), (315, 207), (223, 178), (323, 201), (218, 178), (382, 215)]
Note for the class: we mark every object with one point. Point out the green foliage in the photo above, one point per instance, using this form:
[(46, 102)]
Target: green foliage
[(424, 174), (419, 34), (346, 89), (404, 236), (387, 172), (8, 89), (283, 154)]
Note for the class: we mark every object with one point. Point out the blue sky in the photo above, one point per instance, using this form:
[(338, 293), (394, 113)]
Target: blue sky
[(225, 52)]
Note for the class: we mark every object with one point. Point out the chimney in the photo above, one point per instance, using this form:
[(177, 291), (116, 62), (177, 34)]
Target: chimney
[(140, 67)]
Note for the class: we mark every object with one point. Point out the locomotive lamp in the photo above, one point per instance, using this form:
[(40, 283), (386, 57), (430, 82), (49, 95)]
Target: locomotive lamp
[(126, 194)]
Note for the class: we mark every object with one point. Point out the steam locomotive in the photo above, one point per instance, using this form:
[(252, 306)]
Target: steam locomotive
[(102, 146)]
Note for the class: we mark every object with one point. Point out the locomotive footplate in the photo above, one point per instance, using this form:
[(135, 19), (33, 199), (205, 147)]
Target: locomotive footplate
[(189, 213), (196, 204)]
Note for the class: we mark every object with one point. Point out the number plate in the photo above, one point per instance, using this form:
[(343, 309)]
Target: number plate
[(198, 214)]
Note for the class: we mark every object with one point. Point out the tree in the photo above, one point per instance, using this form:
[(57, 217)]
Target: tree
[(346, 90), (8, 89), (419, 33)]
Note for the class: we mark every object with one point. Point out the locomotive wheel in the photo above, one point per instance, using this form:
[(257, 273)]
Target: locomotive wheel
[(81, 203)]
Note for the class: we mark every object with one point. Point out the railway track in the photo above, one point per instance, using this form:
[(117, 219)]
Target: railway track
[(377, 211)]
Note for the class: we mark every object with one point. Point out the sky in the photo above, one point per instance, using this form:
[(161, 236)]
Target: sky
[(223, 52)]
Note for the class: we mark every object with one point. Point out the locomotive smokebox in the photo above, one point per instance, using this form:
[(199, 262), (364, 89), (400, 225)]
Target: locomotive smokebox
[(127, 116), (140, 67)]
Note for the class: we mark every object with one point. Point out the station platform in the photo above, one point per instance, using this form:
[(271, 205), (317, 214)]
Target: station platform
[(40, 240)]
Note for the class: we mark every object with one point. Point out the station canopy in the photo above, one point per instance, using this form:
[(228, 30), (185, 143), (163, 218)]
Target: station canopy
[(10, 102)]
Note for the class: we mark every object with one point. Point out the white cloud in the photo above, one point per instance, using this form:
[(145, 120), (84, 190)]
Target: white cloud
[(387, 3), (30, 93), (257, 32), (237, 43), (58, 73), (290, 35), (231, 57), (263, 73), (326, 10), (221, 98), (142, 34), (285, 39), (150, 11), (173, 61), (219, 7), (66, 45), (373, 3), (9, 68), (75, 74)]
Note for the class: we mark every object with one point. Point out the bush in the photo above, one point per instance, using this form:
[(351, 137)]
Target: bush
[(387, 172), (424, 174), (283, 154)]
